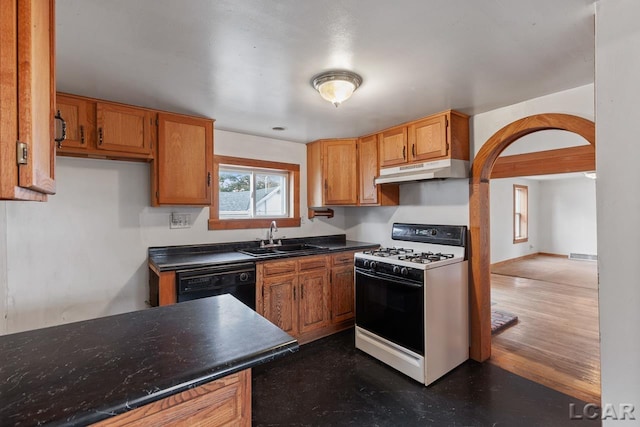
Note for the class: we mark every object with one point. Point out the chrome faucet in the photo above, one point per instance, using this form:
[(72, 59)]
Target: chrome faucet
[(273, 227)]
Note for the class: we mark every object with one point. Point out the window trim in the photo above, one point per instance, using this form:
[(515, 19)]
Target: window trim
[(215, 223), (524, 213)]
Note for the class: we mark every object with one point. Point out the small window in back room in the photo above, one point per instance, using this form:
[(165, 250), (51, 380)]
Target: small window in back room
[(520, 213)]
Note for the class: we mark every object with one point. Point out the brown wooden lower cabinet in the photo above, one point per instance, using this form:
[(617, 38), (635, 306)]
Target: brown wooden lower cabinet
[(224, 402), (279, 302), (308, 297), (342, 294)]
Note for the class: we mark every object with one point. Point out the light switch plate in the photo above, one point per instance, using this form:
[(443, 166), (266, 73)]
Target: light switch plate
[(180, 220)]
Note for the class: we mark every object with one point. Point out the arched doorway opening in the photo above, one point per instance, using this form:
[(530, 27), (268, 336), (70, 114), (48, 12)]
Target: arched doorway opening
[(479, 214)]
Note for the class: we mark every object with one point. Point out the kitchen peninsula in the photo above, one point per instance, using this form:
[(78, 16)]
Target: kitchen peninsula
[(182, 362)]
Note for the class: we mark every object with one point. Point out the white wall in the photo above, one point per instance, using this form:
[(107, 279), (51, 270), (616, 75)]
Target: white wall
[(618, 204), (568, 216), (83, 254), (502, 246), (577, 101), (429, 202), (562, 217)]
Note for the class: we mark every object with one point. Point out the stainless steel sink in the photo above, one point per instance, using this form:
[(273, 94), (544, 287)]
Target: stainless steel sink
[(283, 249), (258, 251), (296, 247)]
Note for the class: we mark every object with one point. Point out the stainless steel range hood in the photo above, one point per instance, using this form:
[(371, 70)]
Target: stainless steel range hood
[(447, 168)]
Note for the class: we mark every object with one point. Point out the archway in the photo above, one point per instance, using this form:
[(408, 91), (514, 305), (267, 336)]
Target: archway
[(479, 215)]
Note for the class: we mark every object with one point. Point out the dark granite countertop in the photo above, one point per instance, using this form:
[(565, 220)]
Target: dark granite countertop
[(169, 258), (83, 372)]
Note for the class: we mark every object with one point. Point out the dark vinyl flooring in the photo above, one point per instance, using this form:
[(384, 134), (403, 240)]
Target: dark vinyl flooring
[(331, 383)]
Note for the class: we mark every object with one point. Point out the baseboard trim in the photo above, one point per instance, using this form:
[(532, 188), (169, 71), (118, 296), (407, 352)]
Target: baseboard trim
[(511, 260), (521, 258), (554, 255)]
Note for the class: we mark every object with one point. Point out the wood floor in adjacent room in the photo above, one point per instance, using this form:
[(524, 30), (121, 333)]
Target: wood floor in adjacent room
[(556, 339)]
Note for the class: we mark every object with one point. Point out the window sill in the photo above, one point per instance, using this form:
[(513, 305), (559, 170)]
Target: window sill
[(524, 240), (235, 224)]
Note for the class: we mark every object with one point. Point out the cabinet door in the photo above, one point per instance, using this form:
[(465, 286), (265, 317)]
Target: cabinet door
[(428, 139), (36, 93), (393, 147), (185, 160), (124, 129), (340, 172), (314, 300), (342, 294), (80, 117), (315, 183), (368, 161), (280, 302)]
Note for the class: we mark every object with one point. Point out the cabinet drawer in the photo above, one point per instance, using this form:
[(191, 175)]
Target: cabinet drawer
[(312, 262), (344, 258), (279, 267)]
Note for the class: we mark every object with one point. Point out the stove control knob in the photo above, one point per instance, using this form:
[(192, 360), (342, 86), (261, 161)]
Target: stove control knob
[(366, 263), (404, 271), (373, 265), (244, 277), (396, 269)]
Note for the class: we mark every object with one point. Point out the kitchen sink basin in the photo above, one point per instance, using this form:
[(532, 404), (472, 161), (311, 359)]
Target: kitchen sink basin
[(296, 247), (258, 251), (283, 249)]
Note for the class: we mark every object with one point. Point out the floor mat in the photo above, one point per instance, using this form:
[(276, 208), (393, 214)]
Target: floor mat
[(501, 320)]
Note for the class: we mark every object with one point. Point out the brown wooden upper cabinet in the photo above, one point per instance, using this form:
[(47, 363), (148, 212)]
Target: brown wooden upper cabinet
[(368, 168), (428, 139), (123, 128), (80, 116), (106, 130), (27, 94), (342, 172), (440, 136), (393, 146), (339, 169), (183, 165), (332, 174)]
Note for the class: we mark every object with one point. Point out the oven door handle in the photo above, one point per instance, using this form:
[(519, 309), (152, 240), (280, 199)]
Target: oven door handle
[(404, 283)]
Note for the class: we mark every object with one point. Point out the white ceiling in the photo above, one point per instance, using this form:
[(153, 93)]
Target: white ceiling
[(248, 63)]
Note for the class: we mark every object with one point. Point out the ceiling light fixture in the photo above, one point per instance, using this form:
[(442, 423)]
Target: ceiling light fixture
[(336, 86)]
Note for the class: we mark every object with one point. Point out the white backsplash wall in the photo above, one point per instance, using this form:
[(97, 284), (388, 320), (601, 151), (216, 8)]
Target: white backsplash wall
[(428, 202), (502, 246), (568, 207), (83, 254)]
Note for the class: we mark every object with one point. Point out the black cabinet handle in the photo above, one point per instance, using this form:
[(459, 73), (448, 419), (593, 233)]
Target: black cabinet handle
[(64, 129), (81, 134), (99, 136), (413, 150), (404, 152)]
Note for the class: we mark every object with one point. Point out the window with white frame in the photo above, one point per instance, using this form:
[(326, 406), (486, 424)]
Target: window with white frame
[(252, 193), (520, 213)]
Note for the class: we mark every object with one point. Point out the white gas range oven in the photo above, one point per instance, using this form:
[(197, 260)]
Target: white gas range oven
[(412, 306)]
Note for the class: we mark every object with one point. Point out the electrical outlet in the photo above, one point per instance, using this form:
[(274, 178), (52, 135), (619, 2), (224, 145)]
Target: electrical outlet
[(180, 220)]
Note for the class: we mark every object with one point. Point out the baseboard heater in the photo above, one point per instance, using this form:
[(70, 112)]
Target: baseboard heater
[(584, 257)]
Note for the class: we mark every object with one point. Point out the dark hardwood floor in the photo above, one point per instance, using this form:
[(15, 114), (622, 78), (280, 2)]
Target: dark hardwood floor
[(330, 383), (556, 340)]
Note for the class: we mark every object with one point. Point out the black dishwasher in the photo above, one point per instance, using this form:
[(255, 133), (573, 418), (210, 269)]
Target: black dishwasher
[(238, 280)]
